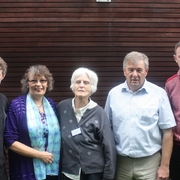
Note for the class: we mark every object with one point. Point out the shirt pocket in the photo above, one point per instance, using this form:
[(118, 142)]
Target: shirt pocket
[(148, 116)]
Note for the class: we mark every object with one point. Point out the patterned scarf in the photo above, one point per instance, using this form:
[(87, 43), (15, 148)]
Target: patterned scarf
[(36, 132)]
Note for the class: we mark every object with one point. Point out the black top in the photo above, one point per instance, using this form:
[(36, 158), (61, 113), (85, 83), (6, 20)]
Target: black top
[(3, 109)]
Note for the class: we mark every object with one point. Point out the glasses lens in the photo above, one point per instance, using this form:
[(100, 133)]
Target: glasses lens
[(42, 81), (34, 81)]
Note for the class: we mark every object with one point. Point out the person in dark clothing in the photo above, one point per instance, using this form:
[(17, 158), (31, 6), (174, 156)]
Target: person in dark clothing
[(88, 146), (3, 109)]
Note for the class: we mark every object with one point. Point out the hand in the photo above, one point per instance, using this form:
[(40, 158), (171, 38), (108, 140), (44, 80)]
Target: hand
[(46, 157), (163, 173)]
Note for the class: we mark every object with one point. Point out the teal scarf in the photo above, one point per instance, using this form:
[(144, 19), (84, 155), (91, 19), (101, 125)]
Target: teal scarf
[(35, 128)]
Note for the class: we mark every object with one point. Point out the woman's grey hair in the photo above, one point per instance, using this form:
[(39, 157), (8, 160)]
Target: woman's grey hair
[(3, 66), (37, 70), (135, 57), (85, 71)]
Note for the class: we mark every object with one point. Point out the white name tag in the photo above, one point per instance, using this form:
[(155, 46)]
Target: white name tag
[(76, 132)]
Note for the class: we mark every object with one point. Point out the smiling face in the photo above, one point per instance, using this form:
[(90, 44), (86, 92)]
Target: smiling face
[(135, 74), (82, 87), (37, 85)]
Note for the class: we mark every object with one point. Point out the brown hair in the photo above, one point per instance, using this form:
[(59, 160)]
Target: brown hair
[(37, 70)]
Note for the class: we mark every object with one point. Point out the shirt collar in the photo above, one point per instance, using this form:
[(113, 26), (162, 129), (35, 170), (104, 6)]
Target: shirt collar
[(143, 88), (90, 105)]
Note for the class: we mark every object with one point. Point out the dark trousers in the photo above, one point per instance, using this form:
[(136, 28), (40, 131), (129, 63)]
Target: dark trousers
[(175, 163), (3, 175), (51, 177), (95, 176)]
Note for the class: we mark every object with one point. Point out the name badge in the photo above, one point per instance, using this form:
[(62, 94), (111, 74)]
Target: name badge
[(76, 132)]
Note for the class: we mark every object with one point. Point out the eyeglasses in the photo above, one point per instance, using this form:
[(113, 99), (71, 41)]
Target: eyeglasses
[(86, 83), (34, 81)]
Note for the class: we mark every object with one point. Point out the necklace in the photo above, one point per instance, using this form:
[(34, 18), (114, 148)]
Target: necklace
[(39, 106)]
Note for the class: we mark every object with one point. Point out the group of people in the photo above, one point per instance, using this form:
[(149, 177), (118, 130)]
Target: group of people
[(135, 137)]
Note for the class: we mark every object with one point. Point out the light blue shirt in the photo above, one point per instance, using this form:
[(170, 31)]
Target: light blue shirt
[(137, 118)]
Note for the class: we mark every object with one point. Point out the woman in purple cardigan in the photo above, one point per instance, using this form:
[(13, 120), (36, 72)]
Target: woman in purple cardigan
[(32, 132)]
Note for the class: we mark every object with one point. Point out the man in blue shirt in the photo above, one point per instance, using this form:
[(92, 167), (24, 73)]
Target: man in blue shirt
[(141, 118)]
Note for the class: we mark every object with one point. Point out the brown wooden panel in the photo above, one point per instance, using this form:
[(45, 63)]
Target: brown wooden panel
[(66, 34)]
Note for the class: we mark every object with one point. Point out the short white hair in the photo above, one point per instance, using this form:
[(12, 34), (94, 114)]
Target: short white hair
[(85, 71)]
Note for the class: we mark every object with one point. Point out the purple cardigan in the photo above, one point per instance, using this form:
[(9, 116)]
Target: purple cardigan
[(20, 167)]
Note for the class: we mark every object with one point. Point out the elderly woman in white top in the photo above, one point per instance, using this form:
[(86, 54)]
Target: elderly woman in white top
[(88, 147)]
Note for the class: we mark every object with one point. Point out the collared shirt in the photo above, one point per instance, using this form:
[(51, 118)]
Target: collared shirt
[(172, 88), (137, 118), (79, 113)]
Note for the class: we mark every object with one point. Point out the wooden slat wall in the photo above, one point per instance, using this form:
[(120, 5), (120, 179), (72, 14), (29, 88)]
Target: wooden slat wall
[(67, 34)]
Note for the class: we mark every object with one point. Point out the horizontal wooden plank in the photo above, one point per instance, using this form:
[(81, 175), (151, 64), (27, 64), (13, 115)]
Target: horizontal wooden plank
[(85, 25), (69, 30), (87, 3), (77, 39), (73, 19), (14, 32), (166, 50), (88, 44), (36, 12), (152, 2)]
